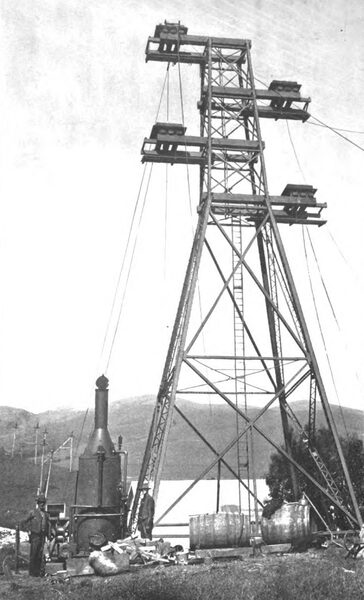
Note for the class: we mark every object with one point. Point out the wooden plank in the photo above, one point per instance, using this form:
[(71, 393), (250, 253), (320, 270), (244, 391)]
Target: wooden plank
[(238, 552), (277, 548), (223, 552), (253, 217), (268, 112), (202, 40), (191, 158), (173, 57), (194, 140), (247, 93), (259, 200)]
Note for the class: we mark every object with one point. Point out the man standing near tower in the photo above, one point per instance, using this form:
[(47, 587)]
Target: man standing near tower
[(146, 514), (38, 525)]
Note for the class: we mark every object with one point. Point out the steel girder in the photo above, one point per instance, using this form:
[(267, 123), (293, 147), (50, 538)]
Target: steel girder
[(235, 203)]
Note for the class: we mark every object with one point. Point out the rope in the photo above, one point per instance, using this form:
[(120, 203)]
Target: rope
[(189, 188), (337, 128), (333, 129), (166, 80), (322, 279), (131, 228), (331, 306), (165, 227), (338, 133), (294, 151), (122, 264), (166, 196), (183, 123), (129, 270), (323, 282), (321, 331)]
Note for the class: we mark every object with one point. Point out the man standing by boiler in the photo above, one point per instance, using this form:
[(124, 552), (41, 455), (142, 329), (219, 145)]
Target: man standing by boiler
[(38, 525)]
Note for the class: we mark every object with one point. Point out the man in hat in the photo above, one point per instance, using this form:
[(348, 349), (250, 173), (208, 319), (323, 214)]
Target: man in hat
[(146, 514), (38, 525)]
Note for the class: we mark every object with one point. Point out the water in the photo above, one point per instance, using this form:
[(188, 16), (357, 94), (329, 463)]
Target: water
[(201, 499)]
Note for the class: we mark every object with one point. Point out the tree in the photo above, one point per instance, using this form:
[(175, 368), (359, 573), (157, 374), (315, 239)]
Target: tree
[(279, 481)]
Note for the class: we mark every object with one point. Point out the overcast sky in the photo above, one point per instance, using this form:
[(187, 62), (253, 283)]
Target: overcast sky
[(77, 99)]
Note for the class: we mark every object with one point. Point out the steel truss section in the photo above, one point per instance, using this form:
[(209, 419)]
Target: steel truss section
[(237, 217)]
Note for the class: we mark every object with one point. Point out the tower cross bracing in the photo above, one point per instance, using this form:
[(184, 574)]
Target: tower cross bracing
[(266, 352)]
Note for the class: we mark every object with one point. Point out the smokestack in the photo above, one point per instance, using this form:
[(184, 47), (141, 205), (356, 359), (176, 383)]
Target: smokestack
[(98, 481), (101, 402), (100, 435)]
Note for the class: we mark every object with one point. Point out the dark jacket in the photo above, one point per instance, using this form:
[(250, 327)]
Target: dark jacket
[(37, 522), (146, 511)]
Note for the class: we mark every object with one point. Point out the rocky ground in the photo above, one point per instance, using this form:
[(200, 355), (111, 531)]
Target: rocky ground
[(312, 575)]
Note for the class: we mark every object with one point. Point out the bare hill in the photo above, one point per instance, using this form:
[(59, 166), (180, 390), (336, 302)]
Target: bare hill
[(187, 456)]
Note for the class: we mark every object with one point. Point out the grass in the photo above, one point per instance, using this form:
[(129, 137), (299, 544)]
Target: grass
[(18, 485), (315, 575)]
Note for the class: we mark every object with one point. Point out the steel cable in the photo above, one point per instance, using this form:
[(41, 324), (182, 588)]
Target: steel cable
[(322, 124), (128, 273), (321, 330), (304, 229)]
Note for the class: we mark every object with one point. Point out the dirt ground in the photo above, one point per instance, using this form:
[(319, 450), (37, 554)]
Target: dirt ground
[(312, 575)]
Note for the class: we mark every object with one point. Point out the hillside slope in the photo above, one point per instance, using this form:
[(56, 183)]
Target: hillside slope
[(187, 456)]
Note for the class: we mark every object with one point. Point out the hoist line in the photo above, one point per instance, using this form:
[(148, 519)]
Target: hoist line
[(337, 128), (166, 79), (355, 275), (165, 227), (305, 230), (129, 270), (294, 151), (168, 92), (337, 131), (122, 264), (131, 228), (322, 279), (311, 243), (166, 193), (331, 306), (189, 184), (183, 123), (180, 92), (321, 330), (338, 248)]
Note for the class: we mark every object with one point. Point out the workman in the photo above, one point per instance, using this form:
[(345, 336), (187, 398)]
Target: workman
[(38, 526), (146, 514)]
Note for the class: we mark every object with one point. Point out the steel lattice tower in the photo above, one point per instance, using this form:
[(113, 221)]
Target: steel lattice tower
[(238, 231)]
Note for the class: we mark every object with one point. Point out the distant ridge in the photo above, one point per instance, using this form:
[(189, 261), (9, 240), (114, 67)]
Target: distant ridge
[(131, 417)]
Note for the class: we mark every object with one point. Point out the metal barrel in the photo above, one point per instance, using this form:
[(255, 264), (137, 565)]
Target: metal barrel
[(219, 530), (288, 524)]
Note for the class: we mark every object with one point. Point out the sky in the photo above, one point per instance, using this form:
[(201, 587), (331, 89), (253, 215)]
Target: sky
[(77, 98)]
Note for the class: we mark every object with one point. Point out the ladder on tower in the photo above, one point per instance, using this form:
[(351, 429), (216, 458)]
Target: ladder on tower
[(244, 447)]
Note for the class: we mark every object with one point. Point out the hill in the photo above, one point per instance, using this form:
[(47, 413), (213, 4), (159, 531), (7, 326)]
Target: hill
[(186, 457), (131, 418)]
